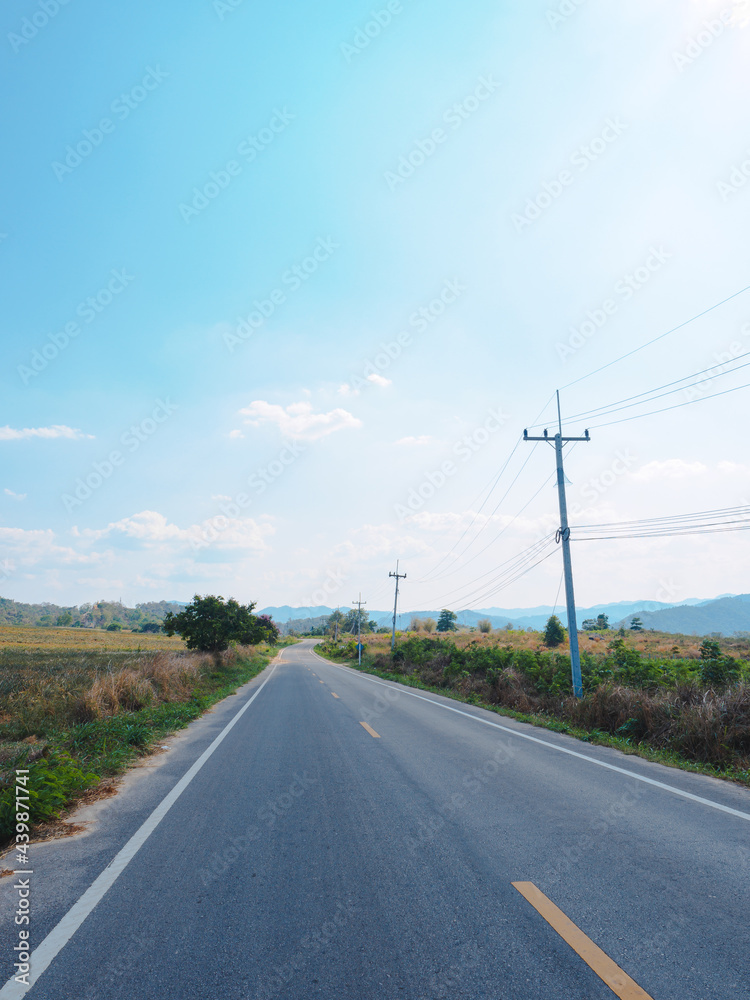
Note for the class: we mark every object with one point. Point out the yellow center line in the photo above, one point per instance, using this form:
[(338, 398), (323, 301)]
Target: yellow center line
[(321, 682), (608, 971), (370, 730), (334, 694)]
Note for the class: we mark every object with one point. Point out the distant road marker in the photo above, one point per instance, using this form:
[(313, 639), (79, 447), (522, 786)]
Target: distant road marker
[(321, 682), (598, 961), (334, 694), (370, 730)]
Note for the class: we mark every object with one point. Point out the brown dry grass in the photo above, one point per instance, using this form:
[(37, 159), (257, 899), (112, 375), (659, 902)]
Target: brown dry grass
[(649, 644), (89, 639)]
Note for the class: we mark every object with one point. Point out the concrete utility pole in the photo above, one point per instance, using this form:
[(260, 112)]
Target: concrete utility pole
[(399, 576), (563, 535), (359, 604)]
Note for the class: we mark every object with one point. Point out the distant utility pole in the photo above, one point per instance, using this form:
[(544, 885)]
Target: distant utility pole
[(563, 535), (359, 604), (399, 576), (336, 627)]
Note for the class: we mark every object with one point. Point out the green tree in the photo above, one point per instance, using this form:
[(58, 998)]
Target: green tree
[(484, 625), (211, 623), (636, 624), (554, 632), (447, 621), (335, 623), (350, 622), (429, 625), (66, 618), (598, 624)]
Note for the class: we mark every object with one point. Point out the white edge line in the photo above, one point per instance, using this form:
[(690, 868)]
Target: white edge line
[(59, 936), (544, 743)]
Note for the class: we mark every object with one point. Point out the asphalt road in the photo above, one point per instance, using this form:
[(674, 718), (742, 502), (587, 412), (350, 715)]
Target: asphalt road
[(309, 856)]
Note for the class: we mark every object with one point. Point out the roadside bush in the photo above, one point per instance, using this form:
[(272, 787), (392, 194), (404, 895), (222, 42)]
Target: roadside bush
[(52, 782)]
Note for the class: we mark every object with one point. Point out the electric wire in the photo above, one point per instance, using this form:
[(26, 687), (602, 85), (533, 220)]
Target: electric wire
[(661, 336)]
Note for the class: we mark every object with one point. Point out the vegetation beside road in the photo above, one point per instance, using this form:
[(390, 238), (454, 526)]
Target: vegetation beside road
[(677, 699), (74, 716)]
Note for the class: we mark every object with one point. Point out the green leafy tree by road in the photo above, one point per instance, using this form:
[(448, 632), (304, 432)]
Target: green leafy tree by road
[(636, 624), (554, 632), (447, 621), (211, 623)]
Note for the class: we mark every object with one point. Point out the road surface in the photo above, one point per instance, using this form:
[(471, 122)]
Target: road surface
[(326, 834)]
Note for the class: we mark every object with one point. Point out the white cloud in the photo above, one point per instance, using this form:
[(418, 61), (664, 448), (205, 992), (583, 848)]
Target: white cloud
[(16, 496), (671, 468), (298, 420), (422, 439), (374, 379), (236, 434), (56, 431), (152, 529)]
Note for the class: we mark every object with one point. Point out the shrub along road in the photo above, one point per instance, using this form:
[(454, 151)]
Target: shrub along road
[(348, 837)]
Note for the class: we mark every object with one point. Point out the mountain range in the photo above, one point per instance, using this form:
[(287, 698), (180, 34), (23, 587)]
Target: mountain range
[(726, 614)]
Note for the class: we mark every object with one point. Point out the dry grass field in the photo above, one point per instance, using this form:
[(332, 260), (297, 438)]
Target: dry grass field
[(86, 639), (648, 644)]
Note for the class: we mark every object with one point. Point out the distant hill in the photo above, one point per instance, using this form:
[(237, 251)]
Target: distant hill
[(520, 618), (97, 615), (725, 615)]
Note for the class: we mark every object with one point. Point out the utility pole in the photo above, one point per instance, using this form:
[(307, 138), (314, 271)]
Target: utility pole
[(399, 576), (563, 535), (336, 627), (359, 604)]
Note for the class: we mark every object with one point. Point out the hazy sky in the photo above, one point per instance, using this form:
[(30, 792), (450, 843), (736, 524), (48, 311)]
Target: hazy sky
[(285, 283)]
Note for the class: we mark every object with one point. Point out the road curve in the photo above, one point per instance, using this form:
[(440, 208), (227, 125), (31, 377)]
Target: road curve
[(327, 834)]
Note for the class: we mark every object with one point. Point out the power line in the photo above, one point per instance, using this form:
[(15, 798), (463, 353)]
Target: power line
[(656, 339), (666, 409), (431, 574), (607, 408)]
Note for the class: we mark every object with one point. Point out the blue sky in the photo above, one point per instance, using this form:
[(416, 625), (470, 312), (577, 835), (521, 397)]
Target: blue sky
[(267, 267)]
